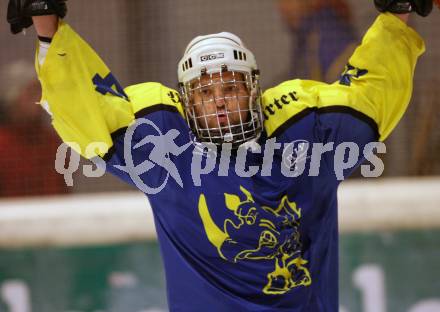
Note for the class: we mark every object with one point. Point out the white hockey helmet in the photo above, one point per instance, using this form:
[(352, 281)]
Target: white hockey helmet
[(204, 64)]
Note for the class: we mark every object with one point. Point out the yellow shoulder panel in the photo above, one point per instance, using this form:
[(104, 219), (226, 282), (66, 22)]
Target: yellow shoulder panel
[(148, 96), (286, 101)]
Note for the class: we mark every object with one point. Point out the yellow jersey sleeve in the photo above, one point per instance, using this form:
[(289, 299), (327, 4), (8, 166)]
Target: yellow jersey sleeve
[(85, 100), (376, 84)]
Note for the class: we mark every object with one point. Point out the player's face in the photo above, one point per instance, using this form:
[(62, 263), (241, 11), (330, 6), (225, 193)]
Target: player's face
[(220, 100)]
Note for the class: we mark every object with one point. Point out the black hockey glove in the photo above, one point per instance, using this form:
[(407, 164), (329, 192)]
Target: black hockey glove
[(20, 12), (421, 7)]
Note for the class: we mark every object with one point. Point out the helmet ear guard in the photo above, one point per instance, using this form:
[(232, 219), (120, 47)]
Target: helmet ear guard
[(211, 59)]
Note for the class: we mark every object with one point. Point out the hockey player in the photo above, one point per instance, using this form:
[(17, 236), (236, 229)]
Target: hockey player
[(231, 241)]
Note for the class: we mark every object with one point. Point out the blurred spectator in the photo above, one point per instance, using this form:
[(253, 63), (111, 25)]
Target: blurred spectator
[(322, 35), (28, 145)]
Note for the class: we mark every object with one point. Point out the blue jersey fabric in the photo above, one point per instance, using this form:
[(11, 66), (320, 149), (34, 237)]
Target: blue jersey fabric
[(280, 248)]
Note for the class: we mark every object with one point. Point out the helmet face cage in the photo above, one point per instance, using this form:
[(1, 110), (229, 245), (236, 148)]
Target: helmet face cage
[(219, 85), (223, 106)]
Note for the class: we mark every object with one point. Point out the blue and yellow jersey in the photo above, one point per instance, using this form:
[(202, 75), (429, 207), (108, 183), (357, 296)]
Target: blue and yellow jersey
[(231, 243)]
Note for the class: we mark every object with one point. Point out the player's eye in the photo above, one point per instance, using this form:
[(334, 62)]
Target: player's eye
[(205, 91), (230, 88)]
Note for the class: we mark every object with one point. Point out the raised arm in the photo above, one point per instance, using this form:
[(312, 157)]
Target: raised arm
[(378, 79), (403, 17), (367, 102), (90, 110), (86, 102), (45, 25)]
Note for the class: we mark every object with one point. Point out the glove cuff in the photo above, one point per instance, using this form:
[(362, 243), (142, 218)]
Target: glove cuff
[(45, 7), (401, 7), (17, 25)]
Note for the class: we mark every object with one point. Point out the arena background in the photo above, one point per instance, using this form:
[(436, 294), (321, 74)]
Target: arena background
[(97, 252)]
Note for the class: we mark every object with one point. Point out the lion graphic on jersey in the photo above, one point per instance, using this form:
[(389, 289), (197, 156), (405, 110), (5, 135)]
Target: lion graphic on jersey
[(260, 233)]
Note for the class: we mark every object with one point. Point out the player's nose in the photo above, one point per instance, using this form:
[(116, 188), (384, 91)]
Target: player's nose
[(219, 97)]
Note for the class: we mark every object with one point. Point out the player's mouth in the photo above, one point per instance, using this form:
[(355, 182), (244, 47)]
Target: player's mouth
[(222, 118)]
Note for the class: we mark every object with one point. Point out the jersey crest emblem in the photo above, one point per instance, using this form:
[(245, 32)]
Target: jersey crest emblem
[(260, 233), (351, 72)]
